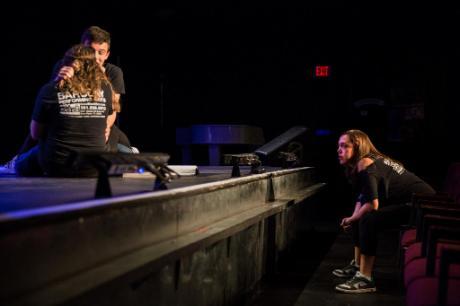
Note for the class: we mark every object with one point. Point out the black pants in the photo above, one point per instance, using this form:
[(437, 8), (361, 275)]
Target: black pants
[(117, 137), (27, 163), (366, 231)]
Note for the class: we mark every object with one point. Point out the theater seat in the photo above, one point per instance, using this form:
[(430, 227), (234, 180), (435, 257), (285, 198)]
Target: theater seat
[(441, 289)]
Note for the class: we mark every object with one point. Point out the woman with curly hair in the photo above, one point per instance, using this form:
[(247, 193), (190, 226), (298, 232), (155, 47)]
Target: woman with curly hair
[(69, 115)]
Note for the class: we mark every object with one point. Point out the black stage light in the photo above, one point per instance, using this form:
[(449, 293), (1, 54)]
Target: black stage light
[(114, 164), (270, 153)]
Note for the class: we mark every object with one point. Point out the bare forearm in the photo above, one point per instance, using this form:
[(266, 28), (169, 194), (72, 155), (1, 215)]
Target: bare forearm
[(360, 210), (28, 144), (36, 130), (363, 209), (111, 119), (357, 208)]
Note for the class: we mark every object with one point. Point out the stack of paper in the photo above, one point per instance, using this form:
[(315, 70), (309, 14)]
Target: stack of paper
[(183, 170)]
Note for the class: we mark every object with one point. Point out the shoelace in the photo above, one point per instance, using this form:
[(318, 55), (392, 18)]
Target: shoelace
[(350, 281)]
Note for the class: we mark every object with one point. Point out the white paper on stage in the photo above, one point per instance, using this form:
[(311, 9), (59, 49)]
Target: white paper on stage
[(183, 170)]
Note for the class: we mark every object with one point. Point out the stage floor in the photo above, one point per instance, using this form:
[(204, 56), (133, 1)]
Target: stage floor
[(22, 193)]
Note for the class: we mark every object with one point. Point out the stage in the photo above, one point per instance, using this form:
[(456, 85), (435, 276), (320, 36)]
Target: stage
[(21, 193), (207, 239)]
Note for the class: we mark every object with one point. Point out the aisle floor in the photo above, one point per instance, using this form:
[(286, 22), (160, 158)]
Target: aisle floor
[(305, 277)]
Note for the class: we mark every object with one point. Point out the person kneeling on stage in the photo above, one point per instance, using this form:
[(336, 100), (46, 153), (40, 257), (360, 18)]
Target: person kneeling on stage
[(69, 115), (384, 189)]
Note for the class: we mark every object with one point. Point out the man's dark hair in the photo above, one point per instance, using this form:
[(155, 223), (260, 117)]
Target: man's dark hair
[(96, 34)]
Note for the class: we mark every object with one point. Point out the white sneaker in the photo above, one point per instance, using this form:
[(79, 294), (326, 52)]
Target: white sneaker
[(348, 271), (357, 284), (8, 168), (126, 149)]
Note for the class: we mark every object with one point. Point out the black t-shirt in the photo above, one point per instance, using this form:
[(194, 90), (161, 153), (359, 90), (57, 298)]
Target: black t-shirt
[(115, 76), (390, 183), (113, 73), (73, 122)]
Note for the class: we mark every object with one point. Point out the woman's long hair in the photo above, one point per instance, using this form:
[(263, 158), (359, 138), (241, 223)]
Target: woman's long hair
[(362, 147), (88, 75)]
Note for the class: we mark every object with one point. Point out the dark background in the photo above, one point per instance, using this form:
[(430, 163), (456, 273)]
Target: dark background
[(253, 64)]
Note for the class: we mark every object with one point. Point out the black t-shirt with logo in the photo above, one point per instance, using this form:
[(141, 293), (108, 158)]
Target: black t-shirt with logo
[(390, 183), (73, 122)]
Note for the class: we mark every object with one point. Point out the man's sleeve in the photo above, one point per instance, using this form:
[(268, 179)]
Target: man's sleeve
[(115, 76)]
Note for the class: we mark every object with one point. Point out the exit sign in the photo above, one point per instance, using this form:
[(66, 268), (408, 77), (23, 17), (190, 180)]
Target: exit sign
[(322, 71)]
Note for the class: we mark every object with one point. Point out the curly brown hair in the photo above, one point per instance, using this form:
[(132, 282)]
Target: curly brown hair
[(88, 76)]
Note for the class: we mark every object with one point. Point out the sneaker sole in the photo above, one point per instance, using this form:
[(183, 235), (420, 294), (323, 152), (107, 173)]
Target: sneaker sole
[(364, 290), (6, 170), (338, 274)]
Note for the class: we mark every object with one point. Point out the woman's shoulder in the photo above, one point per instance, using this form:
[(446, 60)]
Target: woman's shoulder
[(364, 163), (48, 89), (51, 85)]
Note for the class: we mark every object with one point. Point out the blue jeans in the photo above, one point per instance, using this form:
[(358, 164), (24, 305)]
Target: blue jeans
[(27, 163), (124, 149)]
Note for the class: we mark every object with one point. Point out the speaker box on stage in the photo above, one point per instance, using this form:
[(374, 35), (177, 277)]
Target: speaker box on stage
[(286, 150)]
